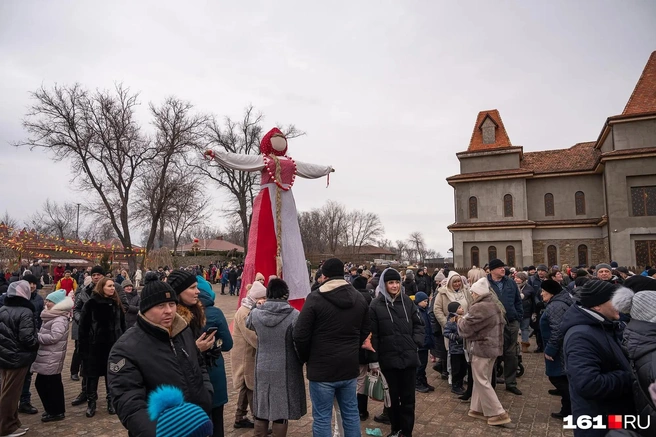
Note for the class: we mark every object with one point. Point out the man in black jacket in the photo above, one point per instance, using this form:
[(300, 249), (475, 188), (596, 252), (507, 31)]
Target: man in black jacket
[(18, 348), (331, 328), (159, 349)]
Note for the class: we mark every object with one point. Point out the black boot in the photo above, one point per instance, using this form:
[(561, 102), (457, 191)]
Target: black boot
[(110, 407), (91, 409), (79, 400), (383, 417), (363, 401)]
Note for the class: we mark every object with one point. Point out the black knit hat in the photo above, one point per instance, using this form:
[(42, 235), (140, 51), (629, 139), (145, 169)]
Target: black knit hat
[(496, 263), (98, 269), (180, 280), (31, 279), (453, 307), (332, 268), (581, 272), (277, 289), (360, 283), (640, 283), (551, 286), (596, 292), (391, 275), (154, 293)]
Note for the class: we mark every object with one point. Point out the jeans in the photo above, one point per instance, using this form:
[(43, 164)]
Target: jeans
[(322, 395), (402, 396), (525, 327), (510, 333), (26, 396), (421, 370), (458, 369), (232, 288)]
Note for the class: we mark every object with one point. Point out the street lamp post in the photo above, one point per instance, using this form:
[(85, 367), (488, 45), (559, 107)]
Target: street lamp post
[(77, 226)]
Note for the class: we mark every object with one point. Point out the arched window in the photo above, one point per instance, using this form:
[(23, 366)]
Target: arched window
[(491, 253), (548, 204), (552, 256), (507, 205), (473, 208), (510, 256), (583, 255), (475, 259), (579, 200)]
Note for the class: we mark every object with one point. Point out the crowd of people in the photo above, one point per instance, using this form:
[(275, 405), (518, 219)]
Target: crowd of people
[(160, 348)]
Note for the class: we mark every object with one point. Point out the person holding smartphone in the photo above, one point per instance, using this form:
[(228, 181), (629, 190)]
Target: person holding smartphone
[(210, 328)]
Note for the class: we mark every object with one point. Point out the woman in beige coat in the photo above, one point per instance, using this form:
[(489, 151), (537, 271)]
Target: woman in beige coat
[(242, 355), (482, 328), (454, 291)]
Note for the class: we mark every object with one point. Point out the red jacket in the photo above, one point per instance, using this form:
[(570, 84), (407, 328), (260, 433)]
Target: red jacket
[(58, 273)]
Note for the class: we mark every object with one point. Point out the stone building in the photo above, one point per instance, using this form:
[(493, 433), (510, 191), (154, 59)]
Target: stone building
[(593, 202)]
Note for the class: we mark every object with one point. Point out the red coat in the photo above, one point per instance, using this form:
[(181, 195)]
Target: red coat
[(58, 273)]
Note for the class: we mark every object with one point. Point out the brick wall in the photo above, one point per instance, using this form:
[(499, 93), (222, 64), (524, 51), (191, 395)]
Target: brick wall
[(567, 252)]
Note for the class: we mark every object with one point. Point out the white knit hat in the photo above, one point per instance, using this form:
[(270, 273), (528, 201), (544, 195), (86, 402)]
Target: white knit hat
[(257, 291), (481, 287), (641, 305)]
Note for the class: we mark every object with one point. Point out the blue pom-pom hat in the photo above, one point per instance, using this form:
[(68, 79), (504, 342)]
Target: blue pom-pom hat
[(174, 416)]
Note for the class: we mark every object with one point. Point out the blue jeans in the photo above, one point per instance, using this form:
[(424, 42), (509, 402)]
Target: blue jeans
[(526, 330), (322, 395)]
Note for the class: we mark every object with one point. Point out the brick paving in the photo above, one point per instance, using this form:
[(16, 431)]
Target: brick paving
[(437, 414)]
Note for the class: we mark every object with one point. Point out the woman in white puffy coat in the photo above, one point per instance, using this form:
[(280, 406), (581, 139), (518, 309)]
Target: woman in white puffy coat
[(53, 339)]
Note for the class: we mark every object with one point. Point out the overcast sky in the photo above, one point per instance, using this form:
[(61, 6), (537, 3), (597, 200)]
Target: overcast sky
[(388, 91)]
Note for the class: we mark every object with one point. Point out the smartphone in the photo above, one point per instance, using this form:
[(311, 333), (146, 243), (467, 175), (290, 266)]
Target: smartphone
[(211, 330)]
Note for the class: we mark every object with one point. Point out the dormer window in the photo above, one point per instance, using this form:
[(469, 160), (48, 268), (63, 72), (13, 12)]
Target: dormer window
[(488, 128)]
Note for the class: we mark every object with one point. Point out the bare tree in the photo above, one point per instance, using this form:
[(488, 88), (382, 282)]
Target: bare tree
[(312, 226), (98, 230), (416, 241), (97, 133), (55, 219), (8, 220), (334, 220), (186, 210), (402, 249), (361, 228), (177, 132), (241, 137)]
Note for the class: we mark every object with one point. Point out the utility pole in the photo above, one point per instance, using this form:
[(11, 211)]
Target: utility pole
[(77, 227)]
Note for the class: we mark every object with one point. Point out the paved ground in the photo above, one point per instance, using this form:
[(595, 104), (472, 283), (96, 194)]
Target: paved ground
[(437, 414)]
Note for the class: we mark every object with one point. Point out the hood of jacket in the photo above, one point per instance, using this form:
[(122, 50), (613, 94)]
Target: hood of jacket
[(381, 289), (273, 312), (639, 338), (63, 308), (338, 292), (578, 315), (206, 295)]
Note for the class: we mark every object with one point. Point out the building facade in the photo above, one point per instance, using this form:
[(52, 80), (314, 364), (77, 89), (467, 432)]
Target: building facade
[(591, 203)]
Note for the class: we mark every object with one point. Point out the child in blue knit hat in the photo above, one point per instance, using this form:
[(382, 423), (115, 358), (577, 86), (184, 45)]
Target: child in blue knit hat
[(174, 416)]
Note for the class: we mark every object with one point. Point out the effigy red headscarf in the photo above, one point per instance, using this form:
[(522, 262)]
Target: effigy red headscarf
[(265, 144)]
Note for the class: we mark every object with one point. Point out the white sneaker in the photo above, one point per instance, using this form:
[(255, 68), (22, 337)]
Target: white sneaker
[(19, 432)]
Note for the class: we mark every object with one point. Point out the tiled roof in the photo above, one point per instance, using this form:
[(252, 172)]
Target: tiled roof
[(643, 98), (485, 174), (501, 136), (580, 157)]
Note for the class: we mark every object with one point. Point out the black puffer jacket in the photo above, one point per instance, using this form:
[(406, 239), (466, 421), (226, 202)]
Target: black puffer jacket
[(397, 328), (146, 357), (102, 323), (18, 334), (423, 282), (640, 345), (132, 310), (330, 329), (82, 295)]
